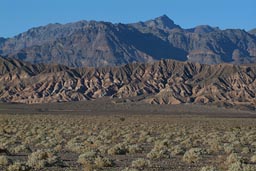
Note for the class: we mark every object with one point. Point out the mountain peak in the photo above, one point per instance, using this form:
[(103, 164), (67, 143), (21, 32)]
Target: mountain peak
[(162, 22), (163, 18)]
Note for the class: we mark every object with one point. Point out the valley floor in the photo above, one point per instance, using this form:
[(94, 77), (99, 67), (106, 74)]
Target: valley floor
[(80, 136)]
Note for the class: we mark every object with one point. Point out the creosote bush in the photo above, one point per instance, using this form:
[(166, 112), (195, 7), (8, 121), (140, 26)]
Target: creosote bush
[(253, 159), (130, 169), (119, 149), (92, 159), (159, 153), (209, 168), (18, 166), (101, 162), (41, 159), (141, 163), (178, 150), (4, 161), (193, 155)]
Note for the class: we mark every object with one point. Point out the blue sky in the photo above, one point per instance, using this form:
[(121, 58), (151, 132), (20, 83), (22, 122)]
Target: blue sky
[(17, 16)]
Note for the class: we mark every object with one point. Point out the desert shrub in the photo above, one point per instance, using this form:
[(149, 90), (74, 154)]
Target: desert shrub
[(87, 158), (231, 136), (254, 144), (18, 166), (236, 166), (228, 148), (197, 142), (193, 155), (245, 150), (144, 136), (129, 138), (130, 169), (236, 143), (236, 163), (178, 150), (141, 163), (92, 159), (58, 148), (48, 143), (103, 162), (132, 149), (21, 148), (103, 149), (214, 145), (118, 149), (162, 144), (233, 158), (160, 150), (253, 159), (209, 168), (150, 139), (5, 161), (77, 145), (187, 142), (248, 167), (41, 159), (159, 153)]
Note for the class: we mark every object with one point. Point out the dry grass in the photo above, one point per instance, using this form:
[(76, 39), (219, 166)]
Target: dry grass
[(126, 142)]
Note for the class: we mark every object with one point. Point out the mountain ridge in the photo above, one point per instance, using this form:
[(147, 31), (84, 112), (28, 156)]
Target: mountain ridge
[(253, 31), (93, 43), (161, 82)]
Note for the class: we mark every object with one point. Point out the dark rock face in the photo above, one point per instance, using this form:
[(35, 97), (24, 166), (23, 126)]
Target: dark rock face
[(2, 40), (162, 82), (105, 44)]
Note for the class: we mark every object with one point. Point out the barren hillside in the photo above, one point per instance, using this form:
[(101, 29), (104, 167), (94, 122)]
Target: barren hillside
[(163, 82)]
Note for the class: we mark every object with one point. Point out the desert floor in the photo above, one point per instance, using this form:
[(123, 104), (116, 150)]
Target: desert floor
[(126, 136)]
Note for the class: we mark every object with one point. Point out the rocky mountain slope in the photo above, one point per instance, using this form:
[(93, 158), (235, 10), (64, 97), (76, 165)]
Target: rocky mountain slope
[(162, 82), (253, 31), (91, 43)]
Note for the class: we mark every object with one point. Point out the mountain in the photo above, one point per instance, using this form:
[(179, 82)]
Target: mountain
[(162, 23), (92, 43), (253, 31), (203, 29), (162, 82), (2, 40)]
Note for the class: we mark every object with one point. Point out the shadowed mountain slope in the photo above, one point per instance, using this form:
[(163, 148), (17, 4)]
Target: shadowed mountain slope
[(91, 43), (253, 31), (162, 82)]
